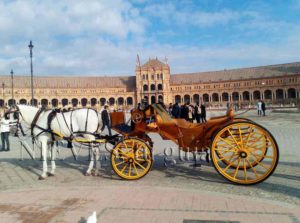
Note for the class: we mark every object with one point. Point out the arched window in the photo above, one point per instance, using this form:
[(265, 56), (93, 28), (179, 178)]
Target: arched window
[(152, 87), (161, 76), (215, 97), (152, 76), (205, 98), (187, 98), (2, 102), (153, 100), (178, 99), (225, 96), (279, 94), (84, 102), (102, 101), (11, 102), (93, 101), (111, 101), (157, 76), (256, 95), (160, 87), (235, 96), (129, 101), (268, 94), (74, 102), (120, 101), (24, 101), (291, 93), (54, 102), (145, 87), (196, 98), (64, 102), (143, 76), (160, 98), (246, 96)]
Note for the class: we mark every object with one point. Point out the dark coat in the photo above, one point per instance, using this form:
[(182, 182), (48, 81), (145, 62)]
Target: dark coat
[(105, 116), (203, 111), (176, 111)]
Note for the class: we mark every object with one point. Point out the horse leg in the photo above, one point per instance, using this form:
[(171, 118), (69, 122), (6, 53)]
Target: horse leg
[(53, 157), (44, 159), (92, 158), (98, 161)]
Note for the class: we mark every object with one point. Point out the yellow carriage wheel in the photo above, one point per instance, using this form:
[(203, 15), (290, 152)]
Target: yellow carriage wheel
[(244, 153), (244, 131), (131, 159)]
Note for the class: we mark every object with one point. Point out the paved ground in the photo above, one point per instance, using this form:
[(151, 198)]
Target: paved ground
[(175, 194)]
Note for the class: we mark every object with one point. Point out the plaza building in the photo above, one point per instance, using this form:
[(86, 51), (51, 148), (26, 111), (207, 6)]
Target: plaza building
[(153, 81)]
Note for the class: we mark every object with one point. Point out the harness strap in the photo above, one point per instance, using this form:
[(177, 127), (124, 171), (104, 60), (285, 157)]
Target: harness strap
[(35, 119)]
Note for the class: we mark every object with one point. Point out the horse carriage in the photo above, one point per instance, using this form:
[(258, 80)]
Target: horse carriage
[(241, 151)]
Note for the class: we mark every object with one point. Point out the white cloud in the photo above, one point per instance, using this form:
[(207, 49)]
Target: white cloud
[(103, 37)]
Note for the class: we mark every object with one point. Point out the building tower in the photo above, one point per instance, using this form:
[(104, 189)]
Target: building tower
[(153, 81)]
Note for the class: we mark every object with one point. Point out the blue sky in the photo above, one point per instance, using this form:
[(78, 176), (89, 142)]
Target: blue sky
[(103, 37)]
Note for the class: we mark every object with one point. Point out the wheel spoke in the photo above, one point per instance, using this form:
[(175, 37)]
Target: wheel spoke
[(253, 169), (237, 168), (135, 168), (226, 141), (117, 164), (234, 139), (224, 157), (129, 172), (241, 138), (123, 169), (230, 164), (139, 165), (245, 169)]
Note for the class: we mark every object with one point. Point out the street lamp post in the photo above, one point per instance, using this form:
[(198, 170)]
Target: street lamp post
[(31, 70), (3, 85), (12, 85)]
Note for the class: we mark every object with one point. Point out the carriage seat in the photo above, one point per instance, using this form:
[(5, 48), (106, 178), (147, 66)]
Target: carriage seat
[(118, 122)]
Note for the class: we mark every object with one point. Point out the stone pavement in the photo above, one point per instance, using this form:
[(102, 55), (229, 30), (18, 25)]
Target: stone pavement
[(178, 193)]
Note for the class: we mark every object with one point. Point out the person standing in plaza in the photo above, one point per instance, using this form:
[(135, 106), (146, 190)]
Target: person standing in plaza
[(170, 109), (4, 128), (105, 119), (176, 110), (203, 113), (259, 108), (197, 112), (263, 108)]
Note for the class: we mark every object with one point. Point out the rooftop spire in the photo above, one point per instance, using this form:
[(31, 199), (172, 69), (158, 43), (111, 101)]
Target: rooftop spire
[(138, 63)]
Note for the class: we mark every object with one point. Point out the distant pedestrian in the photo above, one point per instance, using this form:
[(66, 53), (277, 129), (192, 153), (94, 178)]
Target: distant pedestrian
[(197, 112), (203, 113), (105, 119), (190, 112), (263, 108), (5, 130), (259, 108), (170, 109), (176, 110)]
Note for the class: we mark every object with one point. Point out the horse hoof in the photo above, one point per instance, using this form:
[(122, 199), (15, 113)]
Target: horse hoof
[(50, 174), (42, 178), (87, 174)]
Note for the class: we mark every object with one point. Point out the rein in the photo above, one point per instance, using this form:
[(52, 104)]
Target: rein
[(242, 112)]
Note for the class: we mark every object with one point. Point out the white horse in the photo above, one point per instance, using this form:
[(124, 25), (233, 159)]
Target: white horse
[(84, 121)]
